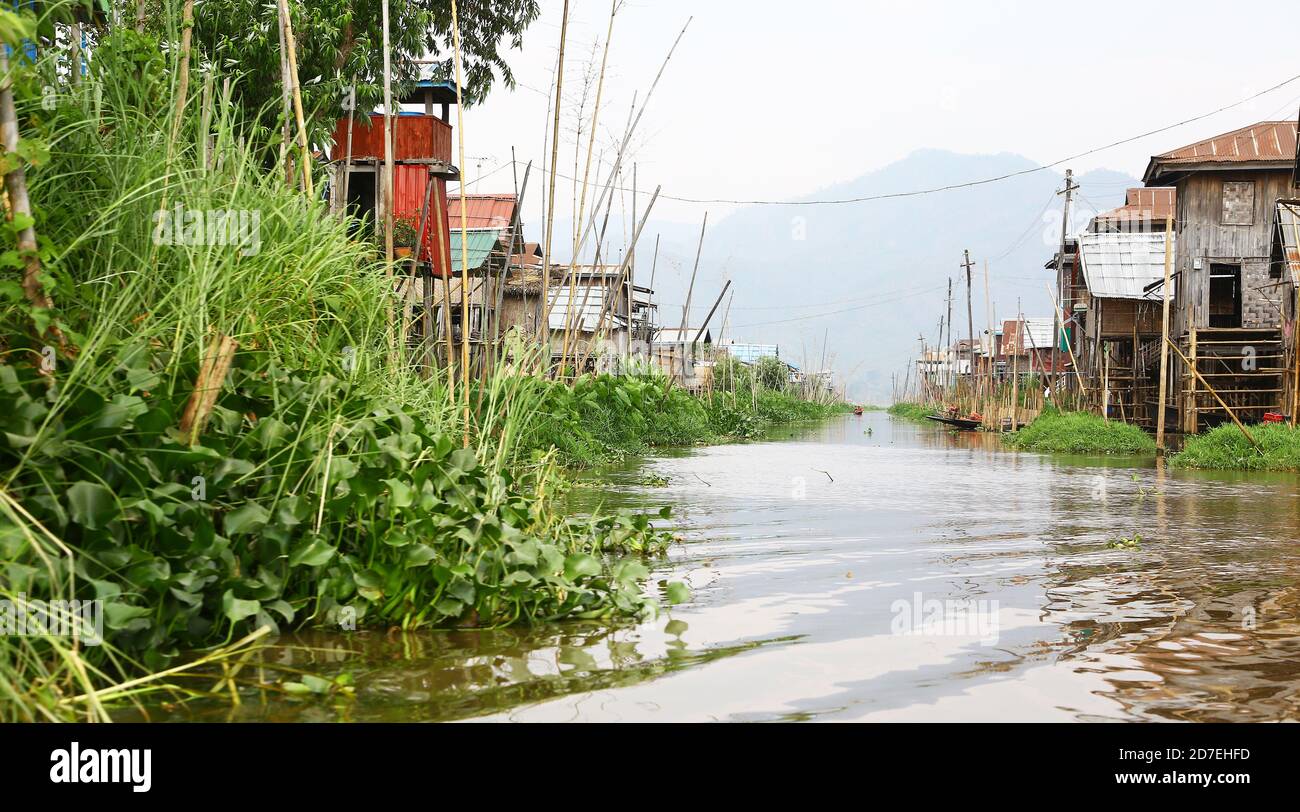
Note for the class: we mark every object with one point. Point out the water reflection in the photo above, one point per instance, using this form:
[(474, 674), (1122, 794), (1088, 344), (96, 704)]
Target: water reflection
[(804, 554)]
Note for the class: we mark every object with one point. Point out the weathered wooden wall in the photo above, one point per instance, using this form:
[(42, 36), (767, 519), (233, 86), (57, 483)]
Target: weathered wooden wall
[(1203, 236)]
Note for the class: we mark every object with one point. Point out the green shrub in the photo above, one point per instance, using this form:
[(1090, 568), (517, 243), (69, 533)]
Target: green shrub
[(1081, 433)]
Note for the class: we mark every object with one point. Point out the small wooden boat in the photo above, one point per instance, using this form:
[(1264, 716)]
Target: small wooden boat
[(961, 423), (857, 410)]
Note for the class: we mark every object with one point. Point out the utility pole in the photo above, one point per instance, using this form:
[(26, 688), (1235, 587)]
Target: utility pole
[(1059, 333), (990, 357), (970, 318), (946, 347)]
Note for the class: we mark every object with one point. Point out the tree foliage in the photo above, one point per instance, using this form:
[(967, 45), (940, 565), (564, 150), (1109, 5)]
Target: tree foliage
[(340, 44), (772, 373)]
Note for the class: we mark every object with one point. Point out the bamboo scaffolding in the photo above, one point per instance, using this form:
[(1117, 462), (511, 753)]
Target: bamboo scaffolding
[(1231, 413)]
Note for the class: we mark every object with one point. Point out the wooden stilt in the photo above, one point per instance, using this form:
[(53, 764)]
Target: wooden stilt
[(1164, 338)]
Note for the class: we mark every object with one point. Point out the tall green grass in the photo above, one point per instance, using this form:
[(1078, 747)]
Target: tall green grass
[(330, 485), (1225, 447), (1081, 433), (914, 411), (605, 418)]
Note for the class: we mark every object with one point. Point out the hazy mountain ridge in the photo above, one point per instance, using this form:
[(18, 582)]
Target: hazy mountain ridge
[(885, 263), (871, 274)]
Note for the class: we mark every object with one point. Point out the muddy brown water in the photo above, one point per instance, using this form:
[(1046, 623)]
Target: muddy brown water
[(873, 569)]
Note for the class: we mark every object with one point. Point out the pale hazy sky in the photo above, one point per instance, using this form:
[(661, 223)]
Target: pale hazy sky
[(777, 100)]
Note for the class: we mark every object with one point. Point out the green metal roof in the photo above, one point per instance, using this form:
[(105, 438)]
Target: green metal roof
[(479, 243)]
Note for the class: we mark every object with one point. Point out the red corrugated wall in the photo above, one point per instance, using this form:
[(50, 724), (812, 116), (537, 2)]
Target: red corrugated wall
[(415, 137), (408, 200)]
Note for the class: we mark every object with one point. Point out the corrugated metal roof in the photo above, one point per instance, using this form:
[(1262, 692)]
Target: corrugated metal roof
[(1037, 335), (1119, 265), (674, 335), (1154, 203), (484, 211), (1288, 227), (1267, 141), (585, 312), (750, 353), (479, 244)]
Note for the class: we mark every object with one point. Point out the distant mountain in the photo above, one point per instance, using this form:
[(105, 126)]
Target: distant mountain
[(873, 275)]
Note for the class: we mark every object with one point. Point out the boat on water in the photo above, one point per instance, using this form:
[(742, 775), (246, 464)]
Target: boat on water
[(962, 423)]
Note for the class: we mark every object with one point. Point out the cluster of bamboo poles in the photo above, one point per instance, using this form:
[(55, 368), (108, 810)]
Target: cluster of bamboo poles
[(1000, 400), (573, 354)]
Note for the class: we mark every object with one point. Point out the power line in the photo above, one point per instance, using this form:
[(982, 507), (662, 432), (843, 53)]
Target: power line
[(967, 184), (876, 303)]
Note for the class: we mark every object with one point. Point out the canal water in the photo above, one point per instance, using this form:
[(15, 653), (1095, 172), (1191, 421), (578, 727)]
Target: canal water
[(872, 569)]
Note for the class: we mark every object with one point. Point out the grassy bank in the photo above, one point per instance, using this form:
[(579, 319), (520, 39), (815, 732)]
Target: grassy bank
[(1081, 433), (326, 479), (913, 411), (328, 482), (605, 418), (1225, 447)]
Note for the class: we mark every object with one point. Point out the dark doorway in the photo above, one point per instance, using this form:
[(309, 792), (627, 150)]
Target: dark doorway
[(1225, 295), (361, 200)]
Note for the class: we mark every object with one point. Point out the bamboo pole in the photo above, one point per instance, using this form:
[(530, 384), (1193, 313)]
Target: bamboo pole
[(1015, 370), (989, 356), (415, 264), (286, 101), (632, 125), (1295, 350), (290, 43), (586, 172), (183, 81), (699, 248), (385, 193), (20, 206), (1164, 338), (464, 246), (1068, 345), (631, 282), (544, 325), (347, 161), (622, 272)]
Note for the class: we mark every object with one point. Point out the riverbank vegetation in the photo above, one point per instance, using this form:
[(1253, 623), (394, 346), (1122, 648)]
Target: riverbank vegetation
[(1225, 447), (606, 418), (211, 432), (1081, 433), (914, 411)]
